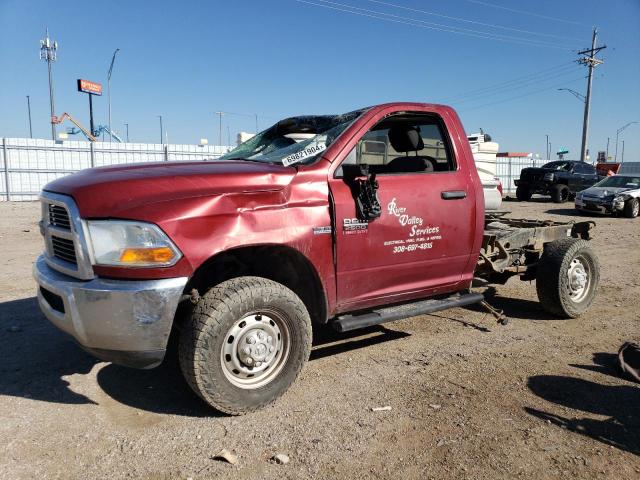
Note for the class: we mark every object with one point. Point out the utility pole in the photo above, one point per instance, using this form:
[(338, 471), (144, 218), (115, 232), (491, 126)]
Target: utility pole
[(48, 52), (591, 62), (547, 157), (126, 126), (220, 114), (113, 59), (161, 138), (606, 158), (29, 111)]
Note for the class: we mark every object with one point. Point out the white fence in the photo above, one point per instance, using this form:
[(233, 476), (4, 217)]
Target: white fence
[(508, 169), (29, 164)]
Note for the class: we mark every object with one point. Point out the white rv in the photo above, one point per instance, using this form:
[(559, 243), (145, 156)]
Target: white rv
[(484, 153)]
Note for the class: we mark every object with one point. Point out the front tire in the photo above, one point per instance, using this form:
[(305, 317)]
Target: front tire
[(523, 194), (567, 277), (245, 344), (559, 193), (631, 208)]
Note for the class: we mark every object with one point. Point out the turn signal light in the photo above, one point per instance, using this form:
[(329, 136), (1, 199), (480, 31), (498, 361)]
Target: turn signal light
[(147, 255)]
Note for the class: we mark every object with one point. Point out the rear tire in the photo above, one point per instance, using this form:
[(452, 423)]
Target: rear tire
[(631, 208), (523, 194), (560, 193), (245, 344), (567, 277)]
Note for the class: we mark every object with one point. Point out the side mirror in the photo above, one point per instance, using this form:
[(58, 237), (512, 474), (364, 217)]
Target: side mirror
[(352, 171)]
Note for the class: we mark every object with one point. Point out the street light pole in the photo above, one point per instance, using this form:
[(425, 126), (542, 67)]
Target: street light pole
[(618, 134), (547, 147), (126, 126), (29, 111), (220, 114), (113, 59), (48, 52), (622, 159), (161, 138)]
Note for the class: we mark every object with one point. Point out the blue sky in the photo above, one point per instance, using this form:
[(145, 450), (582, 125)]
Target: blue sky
[(186, 60)]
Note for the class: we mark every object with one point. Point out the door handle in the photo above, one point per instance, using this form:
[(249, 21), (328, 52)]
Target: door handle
[(453, 194)]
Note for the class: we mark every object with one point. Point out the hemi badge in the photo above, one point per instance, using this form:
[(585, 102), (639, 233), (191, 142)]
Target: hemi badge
[(322, 230)]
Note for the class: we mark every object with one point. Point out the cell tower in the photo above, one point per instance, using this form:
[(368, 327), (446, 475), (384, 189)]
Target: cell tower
[(48, 52)]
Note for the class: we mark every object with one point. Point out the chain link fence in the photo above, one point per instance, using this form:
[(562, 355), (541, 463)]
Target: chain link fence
[(28, 164)]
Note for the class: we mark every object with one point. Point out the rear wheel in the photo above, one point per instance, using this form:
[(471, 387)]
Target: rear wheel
[(631, 208), (523, 194), (245, 344), (567, 277), (559, 193)]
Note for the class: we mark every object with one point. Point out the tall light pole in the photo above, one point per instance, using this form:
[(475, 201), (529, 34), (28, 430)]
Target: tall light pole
[(161, 138), (590, 61), (113, 59), (622, 159), (29, 111), (48, 52), (220, 114), (547, 147), (256, 122), (126, 126), (618, 134)]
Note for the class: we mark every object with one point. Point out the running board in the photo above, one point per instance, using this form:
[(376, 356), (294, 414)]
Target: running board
[(349, 322)]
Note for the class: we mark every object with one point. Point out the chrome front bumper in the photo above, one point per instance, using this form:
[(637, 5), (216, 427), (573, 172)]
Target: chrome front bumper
[(123, 321)]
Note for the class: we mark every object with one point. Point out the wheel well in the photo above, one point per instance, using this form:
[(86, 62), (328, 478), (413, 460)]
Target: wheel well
[(284, 265)]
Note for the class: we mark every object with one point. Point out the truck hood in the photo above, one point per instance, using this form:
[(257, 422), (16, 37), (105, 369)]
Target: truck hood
[(107, 191)]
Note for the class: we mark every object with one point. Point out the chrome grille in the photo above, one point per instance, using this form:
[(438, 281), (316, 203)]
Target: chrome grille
[(59, 217), (64, 249), (65, 245)]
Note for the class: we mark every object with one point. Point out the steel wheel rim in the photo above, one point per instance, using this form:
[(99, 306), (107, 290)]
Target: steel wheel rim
[(255, 349), (579, 275), (636, 208)]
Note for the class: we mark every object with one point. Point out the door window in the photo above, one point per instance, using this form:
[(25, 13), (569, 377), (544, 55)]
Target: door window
[(403, 144)]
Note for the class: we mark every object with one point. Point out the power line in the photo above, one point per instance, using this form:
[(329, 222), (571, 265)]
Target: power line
[(423, 24), (521, 96), (475, 22), (449, 28), (517, 83), (523, 12)]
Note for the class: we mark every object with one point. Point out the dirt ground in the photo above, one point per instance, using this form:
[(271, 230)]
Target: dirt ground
[(539, 398)]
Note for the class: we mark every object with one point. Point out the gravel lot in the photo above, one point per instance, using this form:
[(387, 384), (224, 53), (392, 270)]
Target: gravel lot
[(539, 398)]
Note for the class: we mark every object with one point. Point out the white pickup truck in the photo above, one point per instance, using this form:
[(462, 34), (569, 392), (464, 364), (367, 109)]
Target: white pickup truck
[(484, 153)]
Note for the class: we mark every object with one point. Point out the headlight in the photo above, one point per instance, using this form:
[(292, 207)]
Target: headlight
[(579, 196), (548, 176), (130, 244)]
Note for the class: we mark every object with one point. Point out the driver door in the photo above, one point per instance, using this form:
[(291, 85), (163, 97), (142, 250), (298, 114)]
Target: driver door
[(422, 241)]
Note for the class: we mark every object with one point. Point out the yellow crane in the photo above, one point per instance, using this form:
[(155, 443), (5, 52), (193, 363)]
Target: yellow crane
[(57, 120)]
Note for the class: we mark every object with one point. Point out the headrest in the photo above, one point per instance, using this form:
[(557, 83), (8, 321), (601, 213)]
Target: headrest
[(405, 138)]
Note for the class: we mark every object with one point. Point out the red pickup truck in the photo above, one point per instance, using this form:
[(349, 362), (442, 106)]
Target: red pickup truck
[(343, 220)]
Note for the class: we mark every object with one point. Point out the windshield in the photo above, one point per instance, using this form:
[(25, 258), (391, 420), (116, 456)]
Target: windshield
[(294, 140), (562, 166), (619, 181)]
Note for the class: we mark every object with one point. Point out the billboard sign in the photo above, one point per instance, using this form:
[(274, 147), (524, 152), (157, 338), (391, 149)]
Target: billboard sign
[(87, 86)]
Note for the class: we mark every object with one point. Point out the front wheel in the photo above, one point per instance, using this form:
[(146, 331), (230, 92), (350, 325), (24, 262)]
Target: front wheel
[(567, 277), (631, 208), (559, 193), (245, 344)]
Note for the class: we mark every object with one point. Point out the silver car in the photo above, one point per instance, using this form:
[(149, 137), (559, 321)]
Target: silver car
[(615, 194)]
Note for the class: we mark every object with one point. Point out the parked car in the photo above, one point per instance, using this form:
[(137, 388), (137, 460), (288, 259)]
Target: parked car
[(615, 194), (561, 179), (343, 220)]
